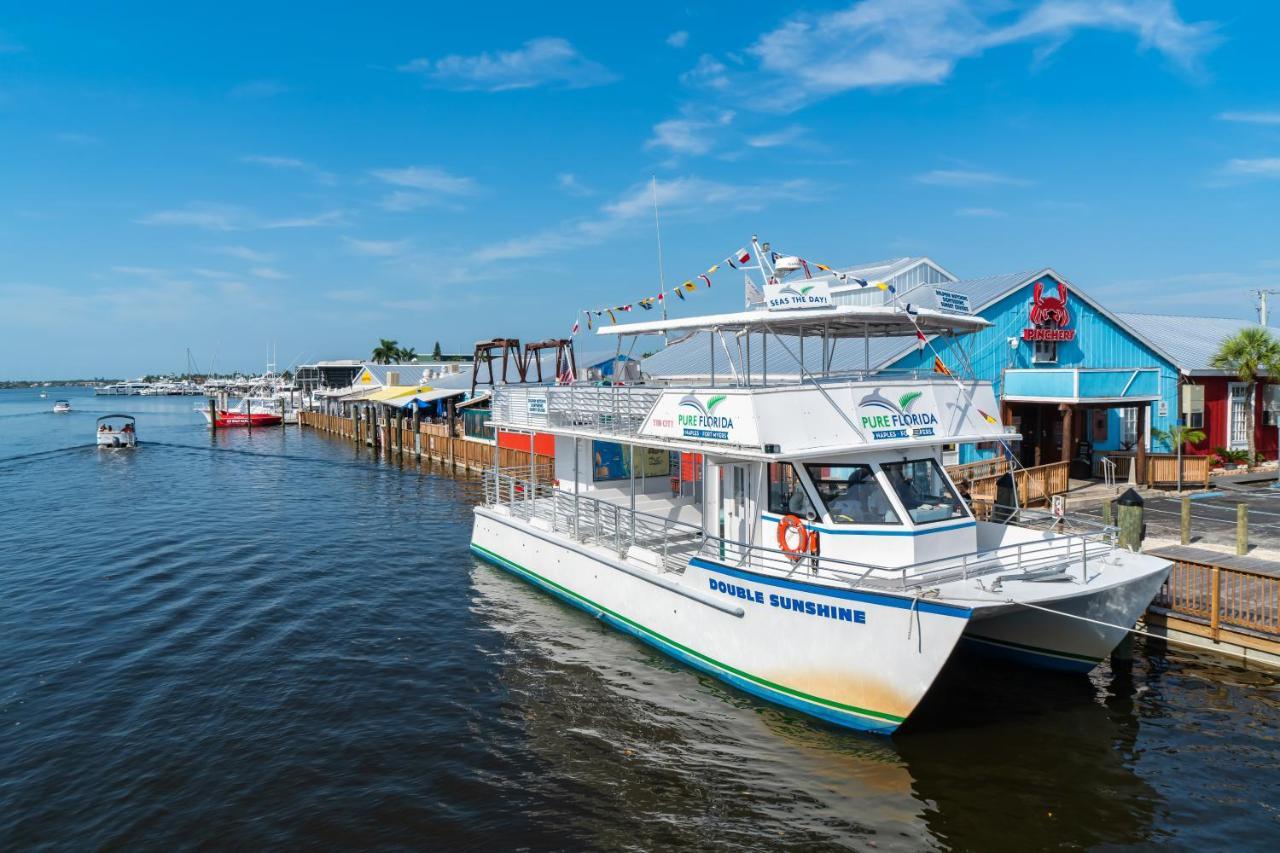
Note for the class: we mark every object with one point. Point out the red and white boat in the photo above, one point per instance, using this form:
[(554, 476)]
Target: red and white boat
[(251, 412)]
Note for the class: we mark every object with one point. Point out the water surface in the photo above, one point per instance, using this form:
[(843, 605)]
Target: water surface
[(268, 639)]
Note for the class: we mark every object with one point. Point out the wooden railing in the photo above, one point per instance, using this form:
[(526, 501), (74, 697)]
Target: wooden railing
[(983, 468), (1035, 485), (433, 442), (1222, 597), (1162, 468)]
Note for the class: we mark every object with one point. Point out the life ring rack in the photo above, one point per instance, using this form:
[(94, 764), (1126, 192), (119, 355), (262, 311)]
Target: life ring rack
[(787, 524)]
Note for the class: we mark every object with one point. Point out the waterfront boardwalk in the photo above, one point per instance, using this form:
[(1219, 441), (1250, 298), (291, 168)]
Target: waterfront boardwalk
[(431, 441), (1232, 602)]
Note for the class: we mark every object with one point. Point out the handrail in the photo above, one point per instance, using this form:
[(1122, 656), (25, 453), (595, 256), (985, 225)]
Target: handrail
[(587, 518)]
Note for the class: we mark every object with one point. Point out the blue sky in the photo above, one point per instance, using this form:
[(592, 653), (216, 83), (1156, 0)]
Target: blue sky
[(237, 175)]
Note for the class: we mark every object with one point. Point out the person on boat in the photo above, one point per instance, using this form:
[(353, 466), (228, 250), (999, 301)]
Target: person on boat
[(904, 490), (102, 427)]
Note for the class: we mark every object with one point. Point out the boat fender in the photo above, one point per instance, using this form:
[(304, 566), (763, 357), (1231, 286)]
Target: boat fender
[(785, 526)]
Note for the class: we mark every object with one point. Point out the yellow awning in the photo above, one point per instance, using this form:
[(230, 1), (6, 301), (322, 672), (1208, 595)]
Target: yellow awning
[(385, 395)]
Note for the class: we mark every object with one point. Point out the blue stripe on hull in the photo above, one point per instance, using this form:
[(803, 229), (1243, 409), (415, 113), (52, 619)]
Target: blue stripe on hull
[(1027, 657), (831, 715)]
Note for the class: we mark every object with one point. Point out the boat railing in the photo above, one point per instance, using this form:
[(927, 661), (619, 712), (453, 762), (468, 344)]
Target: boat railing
[(669, 543)]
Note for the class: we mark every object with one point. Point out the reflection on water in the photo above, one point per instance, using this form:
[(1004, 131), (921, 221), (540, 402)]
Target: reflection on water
[(271, 640)]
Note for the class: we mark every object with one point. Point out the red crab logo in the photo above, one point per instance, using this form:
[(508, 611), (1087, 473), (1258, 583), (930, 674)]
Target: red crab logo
[(1050, 309), (1049, 316)]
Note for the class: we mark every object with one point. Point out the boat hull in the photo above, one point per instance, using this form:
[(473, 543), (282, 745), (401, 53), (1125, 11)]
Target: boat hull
[(226, 419), (859, 660), (115, 440), (1064, 642)]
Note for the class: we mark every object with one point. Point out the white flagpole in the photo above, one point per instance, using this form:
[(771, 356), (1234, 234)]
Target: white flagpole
[(657, 227)]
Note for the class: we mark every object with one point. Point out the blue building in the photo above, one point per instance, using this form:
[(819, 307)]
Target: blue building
[(1073, 377)]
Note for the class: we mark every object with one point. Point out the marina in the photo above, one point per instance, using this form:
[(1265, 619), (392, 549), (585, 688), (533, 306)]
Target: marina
[(846, 426), (400, 688)]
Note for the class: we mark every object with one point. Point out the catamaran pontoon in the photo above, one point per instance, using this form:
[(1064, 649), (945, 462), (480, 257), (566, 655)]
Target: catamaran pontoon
[(790, 529)]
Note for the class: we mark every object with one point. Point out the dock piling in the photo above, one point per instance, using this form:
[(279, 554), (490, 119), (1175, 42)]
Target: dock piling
[(1186, 519), (1242, 528)]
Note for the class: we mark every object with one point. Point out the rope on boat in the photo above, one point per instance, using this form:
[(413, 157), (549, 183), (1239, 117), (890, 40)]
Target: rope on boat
[(1141, 633)]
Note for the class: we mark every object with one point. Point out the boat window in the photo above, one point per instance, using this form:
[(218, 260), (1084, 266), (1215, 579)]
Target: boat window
[(924, 490), (786, 493), (852, 494)]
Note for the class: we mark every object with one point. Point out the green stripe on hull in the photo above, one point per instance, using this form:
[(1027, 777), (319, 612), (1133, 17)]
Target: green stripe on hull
[(746, 676)]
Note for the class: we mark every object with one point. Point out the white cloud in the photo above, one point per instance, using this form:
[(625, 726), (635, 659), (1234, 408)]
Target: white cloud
[(260, 89), (690, 134), (214, 217), (376, 248), (423, 185), (709, 73), (980, 212), (274, 162), (677, 198), (1251, 118), (967, 178), (777, 138), (270, 273), (678, 39), (1261, 167), (569, 183), (243, 253), (539, 62), (877, 43)]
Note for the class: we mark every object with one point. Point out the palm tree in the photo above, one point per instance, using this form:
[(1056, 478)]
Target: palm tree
[(1248, 353), (385, 352), (1177, 436), (405, 355)]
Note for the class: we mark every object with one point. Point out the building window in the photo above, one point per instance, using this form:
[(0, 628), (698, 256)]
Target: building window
[(1045, 352), (1271, 405), (1193, 406), (1129, 428)]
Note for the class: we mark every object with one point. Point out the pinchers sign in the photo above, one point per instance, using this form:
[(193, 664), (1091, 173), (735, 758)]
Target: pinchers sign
[(1049, 315)]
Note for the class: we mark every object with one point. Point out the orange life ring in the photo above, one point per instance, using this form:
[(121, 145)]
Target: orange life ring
[(785, 526)]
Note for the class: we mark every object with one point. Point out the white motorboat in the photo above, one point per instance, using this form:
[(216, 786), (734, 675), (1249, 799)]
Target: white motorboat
[(117, 431), (61, 407), (792, 530)]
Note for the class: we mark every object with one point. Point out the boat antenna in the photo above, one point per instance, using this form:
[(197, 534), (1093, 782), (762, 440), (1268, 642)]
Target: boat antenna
[(657, 227)]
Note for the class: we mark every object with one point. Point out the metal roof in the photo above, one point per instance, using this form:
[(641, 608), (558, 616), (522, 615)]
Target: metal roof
[(1190, 342)]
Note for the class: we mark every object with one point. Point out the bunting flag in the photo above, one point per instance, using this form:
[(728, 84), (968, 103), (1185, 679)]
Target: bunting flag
[(824, 268), (689, 286), (921, 338), (679, 292), (987, 417), (713, 269), (707, 279), (807, 274), (882, 285), (612, 319), (576, 326), (939, 367), (588, 321)]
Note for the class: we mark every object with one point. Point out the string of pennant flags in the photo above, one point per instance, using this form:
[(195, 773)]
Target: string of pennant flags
[(734, 261), (742, 257)]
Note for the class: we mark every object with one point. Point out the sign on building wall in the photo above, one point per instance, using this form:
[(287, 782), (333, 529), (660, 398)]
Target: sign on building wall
[(1049, 316), (952, 302)]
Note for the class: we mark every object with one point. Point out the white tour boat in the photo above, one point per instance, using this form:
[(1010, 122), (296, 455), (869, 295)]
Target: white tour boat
[(61, 407), (792, 530), (117, 431)]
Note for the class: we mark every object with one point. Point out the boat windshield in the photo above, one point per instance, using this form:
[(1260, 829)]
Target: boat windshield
[(852, 494), (924, 491)]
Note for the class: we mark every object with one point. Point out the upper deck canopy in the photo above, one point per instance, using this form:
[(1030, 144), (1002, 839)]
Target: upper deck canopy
[(841, 321)]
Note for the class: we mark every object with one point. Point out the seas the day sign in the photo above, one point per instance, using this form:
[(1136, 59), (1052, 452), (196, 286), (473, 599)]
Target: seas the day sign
[(804, 293)]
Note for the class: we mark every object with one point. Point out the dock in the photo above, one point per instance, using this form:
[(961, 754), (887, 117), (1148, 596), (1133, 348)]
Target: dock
[(1231, 601), (397, 437)]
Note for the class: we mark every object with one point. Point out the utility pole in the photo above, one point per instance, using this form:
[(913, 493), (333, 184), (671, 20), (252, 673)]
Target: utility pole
[(1262, 304)]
